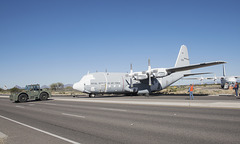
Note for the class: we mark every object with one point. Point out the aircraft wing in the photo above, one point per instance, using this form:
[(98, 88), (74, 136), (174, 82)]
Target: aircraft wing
[(191, 78), (194, 66), (191, 74)]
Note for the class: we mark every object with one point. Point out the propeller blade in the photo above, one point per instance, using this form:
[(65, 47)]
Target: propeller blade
[(149, 66), (131, 82), (149, 73), (131, 73), (150, 82)]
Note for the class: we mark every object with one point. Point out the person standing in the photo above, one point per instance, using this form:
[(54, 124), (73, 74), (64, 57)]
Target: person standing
[(236, 88), (190, 90)]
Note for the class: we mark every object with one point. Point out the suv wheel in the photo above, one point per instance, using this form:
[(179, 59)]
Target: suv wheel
[(43, 96), (22, 98)]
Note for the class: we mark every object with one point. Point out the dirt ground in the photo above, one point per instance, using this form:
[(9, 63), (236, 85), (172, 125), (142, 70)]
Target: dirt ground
[(199, 90)]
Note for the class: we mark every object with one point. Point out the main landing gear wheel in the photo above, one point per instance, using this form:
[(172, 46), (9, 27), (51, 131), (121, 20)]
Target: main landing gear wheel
[(92, 95), (222, 86)]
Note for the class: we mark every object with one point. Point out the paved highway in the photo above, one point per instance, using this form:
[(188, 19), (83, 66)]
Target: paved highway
[(61, 122)]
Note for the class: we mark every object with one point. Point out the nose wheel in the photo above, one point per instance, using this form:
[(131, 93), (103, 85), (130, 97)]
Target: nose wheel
[(92, 95)]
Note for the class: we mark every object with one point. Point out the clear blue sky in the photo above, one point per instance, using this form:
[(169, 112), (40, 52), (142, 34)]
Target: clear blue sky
[(48, 41)]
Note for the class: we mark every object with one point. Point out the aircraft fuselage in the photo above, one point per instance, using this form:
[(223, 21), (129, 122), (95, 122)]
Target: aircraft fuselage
[(144, 82), (101, 83)]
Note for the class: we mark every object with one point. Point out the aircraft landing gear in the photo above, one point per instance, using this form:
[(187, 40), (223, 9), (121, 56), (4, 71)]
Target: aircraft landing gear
[(92, 95)]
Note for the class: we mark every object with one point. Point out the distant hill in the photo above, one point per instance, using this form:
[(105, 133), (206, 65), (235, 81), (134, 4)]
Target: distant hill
[(68, 85), (16, 86)]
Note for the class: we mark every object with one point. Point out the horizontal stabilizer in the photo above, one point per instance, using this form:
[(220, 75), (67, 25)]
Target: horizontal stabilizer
[(194, 66)]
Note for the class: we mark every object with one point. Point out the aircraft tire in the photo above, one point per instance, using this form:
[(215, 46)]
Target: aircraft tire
[(92, 95), (22, 98)]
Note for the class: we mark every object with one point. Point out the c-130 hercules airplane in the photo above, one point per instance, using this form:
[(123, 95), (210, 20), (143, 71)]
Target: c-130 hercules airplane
[(135, 83)]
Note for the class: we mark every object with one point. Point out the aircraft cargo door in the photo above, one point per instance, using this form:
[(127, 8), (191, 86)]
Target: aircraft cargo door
[(102, 87), (114, 83)]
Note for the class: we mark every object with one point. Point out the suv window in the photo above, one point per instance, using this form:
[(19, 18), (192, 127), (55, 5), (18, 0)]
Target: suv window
[(36, 87)]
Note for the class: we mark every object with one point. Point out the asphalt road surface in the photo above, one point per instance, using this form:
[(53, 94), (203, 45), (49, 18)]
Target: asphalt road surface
[(61, 122)]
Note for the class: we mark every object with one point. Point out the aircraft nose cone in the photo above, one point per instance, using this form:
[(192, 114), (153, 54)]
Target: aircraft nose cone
[(78, 86)]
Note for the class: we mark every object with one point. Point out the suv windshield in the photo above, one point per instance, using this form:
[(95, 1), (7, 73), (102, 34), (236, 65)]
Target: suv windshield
[(32, 87)]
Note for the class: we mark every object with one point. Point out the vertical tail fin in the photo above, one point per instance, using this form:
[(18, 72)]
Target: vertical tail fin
[(182, 59)]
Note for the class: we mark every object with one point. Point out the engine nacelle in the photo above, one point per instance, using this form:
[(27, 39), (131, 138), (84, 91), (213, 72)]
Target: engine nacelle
[(160, 72), (141, 77)]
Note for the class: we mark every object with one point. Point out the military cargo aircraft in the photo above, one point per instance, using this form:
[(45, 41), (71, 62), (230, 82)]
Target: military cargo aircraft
[(142, 83), (226, 81)]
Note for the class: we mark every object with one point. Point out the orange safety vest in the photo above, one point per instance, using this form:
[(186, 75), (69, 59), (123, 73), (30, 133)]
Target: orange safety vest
[(235, 85), (191, 88)]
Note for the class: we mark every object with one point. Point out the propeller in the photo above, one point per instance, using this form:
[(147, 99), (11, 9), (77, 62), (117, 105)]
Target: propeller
[(143, 75), (215, 79), (131, 75), (148, 73), (201, 79)]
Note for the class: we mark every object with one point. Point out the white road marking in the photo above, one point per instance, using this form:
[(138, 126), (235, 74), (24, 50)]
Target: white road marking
[(98, 108), (45, 132), (20, 106), (73, 115), (111, 109)]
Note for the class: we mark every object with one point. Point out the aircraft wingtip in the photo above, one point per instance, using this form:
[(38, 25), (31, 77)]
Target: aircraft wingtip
[(222, 62)]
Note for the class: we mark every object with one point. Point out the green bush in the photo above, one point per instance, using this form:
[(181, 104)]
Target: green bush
[(56, 86)]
